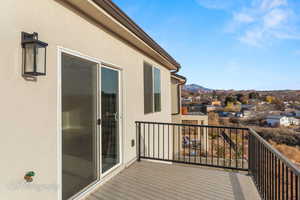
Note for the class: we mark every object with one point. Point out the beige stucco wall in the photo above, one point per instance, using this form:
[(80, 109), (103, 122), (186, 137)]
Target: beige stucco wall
[(29, 108), (200, 120), (174, 94)]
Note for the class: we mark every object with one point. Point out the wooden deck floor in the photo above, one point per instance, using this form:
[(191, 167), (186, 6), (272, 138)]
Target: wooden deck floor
[(156, 181)]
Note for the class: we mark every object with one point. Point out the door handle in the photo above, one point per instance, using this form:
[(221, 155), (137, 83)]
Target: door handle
[(116, 116), (99, 121)]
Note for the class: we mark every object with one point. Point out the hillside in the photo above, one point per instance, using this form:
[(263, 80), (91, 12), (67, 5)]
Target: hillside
[(196, 88), (282, 94)]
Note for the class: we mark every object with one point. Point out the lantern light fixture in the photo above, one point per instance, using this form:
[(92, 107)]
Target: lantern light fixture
[(34, 55)]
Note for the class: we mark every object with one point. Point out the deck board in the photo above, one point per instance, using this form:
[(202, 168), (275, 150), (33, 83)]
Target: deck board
[(156, 181)]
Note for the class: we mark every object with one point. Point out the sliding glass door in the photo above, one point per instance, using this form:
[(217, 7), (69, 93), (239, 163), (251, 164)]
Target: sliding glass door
[(79, 127), (110, 145), (91, 144)]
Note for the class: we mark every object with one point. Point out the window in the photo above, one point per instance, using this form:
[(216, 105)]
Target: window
[(157, 102), (152, 89), (148, 89)]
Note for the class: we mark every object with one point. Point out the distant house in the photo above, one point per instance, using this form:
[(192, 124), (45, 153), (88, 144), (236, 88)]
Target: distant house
[(294, 121), (223, 114), (210, 108), (289, 113), (187, 100), (247, 113), (231, 114), (239, 115), (277, 120), (248, 107), (227, 114), (194, 107), (253, 101), (216, 103), (261, 103), (197, 98)]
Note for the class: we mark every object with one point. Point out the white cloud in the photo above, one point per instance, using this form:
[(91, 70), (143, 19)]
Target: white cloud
[(259, 22), (264, 21), (275, 18), (216, 4), (242, 17), (253, 37), (270, 4)]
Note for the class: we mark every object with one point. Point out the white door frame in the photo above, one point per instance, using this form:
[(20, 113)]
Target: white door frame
[(120, 128), (101, 177)]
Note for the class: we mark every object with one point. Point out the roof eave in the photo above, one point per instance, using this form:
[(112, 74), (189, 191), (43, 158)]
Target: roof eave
[(110, 16), (180, 78), (124, 19)]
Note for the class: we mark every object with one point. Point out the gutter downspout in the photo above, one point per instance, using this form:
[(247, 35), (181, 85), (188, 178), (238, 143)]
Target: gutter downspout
[(176, 70)]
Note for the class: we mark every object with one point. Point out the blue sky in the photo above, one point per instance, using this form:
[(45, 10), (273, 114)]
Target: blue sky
[(226, 44)]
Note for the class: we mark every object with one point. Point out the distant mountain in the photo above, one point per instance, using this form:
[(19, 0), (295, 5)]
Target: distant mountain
[(196, 88)]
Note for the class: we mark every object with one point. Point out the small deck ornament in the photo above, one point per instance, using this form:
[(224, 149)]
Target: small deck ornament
[(29, 176)]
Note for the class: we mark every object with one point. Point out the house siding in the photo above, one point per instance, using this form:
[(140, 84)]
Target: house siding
[(175, 95), (29, 116)]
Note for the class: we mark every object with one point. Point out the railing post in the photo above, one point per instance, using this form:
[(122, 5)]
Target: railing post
[(249, 153), (139, 142)]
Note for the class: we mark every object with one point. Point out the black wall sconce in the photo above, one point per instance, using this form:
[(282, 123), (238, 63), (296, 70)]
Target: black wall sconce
[(34, 55)]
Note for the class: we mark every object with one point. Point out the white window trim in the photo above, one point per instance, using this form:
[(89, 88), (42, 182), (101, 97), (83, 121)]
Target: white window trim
[(153, 89)]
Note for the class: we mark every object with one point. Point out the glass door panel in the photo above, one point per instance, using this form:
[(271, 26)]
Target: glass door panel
[(110, 141), (79, 131)]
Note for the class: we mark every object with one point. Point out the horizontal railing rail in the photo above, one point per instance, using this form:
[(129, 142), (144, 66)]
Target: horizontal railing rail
[(177, 124), (214, 146), (275, 176)]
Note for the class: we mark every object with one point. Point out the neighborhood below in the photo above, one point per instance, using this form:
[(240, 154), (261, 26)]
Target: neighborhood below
[(275, 115)]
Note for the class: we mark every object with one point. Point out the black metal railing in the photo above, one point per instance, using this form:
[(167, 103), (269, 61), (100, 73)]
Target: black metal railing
[(225, 147), (275, 176)]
